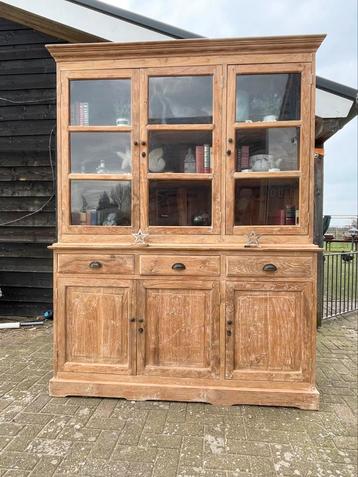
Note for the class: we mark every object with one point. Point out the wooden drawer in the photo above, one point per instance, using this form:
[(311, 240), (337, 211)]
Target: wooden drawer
[(264, 266), (95, 263), (179, 265)]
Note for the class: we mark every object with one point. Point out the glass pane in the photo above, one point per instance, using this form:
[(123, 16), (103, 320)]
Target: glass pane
[(266, 202), (180, 100), (101, 203), (173, 151), (181, 203), (100, 102), (100, 152), (268, 97), (271, 149)]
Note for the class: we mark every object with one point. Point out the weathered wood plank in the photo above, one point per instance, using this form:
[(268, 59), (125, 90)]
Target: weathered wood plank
[(26, 279), (22, 264), (24, 37), (18, 204), (15, 82), (26, 112), (23, 52), (25, 143), (19, 234), (39, 173), (40, 218), (23, 295), (9, 25), (26, 189), (25, 158), (45, 95), (29, 250), (30, 66)]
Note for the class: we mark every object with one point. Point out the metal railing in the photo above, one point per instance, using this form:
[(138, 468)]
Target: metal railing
[(340, 287)]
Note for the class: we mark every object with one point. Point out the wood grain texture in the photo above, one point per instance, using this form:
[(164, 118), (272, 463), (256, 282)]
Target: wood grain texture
[(289, 267), (194, 265), (292, 44), (220, 330), (180, 323), (116, 264), (95, 331)]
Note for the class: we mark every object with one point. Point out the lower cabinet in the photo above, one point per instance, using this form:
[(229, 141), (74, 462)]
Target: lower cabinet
[(93, 325), (269, 331), (180, 336), (151, 327)]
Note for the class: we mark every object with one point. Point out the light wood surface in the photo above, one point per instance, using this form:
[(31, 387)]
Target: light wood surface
[(192, 313)]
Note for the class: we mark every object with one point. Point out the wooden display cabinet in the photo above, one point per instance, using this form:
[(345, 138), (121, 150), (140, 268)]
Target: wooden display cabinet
[(185, 267)]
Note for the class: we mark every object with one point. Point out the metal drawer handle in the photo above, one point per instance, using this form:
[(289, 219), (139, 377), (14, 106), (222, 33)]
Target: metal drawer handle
[(178, 266), (95, 265), (269, 267)]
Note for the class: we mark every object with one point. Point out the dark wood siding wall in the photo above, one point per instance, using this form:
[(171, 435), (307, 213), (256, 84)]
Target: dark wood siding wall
[(27, 77)]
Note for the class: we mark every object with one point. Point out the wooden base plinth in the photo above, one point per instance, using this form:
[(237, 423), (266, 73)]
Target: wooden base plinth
[(218, 395)]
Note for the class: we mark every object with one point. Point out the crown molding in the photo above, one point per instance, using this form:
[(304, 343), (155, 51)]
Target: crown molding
[(193, 47)]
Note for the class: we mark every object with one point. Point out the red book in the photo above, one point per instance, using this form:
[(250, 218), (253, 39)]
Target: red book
[(199, 159)]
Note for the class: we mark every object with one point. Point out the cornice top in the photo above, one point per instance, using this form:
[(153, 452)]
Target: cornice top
[(192, 47)]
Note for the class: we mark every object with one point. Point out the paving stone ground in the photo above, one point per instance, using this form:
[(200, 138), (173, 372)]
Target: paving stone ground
[(44, 436)]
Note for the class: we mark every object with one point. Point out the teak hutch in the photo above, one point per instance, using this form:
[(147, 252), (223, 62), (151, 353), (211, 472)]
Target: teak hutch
[(185, 267)]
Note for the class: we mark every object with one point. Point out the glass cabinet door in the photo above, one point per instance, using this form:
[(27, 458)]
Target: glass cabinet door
[(180, 132), (267, 109), (101, 169)]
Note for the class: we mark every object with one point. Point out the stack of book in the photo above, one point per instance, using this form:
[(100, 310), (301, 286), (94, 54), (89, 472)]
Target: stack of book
[(243, 158), (80, 113), (203, 154)]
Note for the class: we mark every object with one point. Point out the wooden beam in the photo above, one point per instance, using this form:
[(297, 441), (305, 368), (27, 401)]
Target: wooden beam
[(50, 27)]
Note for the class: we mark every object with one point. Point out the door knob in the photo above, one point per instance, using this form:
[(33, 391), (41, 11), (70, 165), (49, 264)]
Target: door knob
[(228, 332), (140, 330), (143, 154), (228, 152), (143, 143), (136, 143), (229, 322)]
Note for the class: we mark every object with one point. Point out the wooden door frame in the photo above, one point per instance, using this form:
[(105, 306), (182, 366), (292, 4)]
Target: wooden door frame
[(215, 127), (305, 146), (62, 283), (304, 291), (213, 326), (65, 128)]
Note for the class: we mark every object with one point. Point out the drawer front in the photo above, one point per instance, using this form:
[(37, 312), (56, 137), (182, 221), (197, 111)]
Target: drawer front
[(179, 265), (269, 266), (95, 263)]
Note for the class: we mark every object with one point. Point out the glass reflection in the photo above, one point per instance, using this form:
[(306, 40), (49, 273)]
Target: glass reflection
[(100, 102), (268, 97), (106, 203), (180, 100)]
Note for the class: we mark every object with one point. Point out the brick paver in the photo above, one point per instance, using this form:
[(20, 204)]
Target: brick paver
[(44, 436)]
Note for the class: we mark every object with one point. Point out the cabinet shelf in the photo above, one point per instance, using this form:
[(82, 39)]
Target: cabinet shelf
[(179, 176), (126, 128), (267, 175), (102, 177), (267, 124), (180, 127)]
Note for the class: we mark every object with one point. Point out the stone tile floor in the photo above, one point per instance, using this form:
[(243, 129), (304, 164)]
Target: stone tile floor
[(40, 435)]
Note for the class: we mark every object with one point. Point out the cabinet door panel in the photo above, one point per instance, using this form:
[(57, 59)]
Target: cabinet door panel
[(271, 323), (96, 332), (181, 326)]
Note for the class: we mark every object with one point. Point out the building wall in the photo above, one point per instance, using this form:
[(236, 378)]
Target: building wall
[(27, 77)]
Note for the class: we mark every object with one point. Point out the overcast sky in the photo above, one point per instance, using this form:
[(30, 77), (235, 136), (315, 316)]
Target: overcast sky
[(336, 59)]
